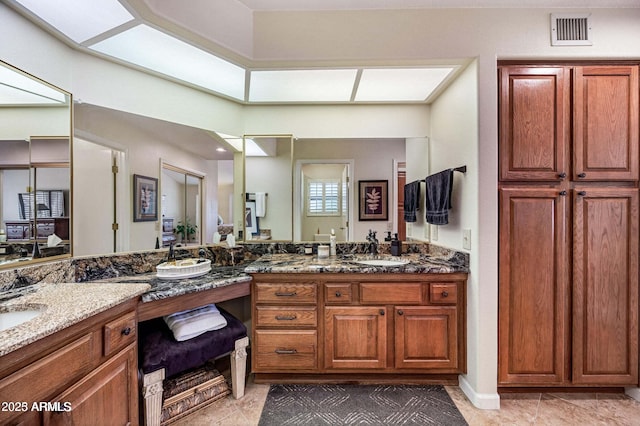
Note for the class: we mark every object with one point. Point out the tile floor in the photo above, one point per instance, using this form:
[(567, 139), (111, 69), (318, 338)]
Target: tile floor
[(583, 409)]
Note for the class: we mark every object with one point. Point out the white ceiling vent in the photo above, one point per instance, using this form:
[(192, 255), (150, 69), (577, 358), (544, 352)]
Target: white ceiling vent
[(571, 29)]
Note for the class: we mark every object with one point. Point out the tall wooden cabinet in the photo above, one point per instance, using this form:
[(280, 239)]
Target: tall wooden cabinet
[(568, 224)]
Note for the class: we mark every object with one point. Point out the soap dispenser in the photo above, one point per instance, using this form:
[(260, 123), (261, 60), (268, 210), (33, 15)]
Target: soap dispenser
[(332, 243), (396, 246)]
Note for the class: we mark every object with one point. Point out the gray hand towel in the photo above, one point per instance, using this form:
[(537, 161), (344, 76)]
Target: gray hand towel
[(411, 201), (438, 197)]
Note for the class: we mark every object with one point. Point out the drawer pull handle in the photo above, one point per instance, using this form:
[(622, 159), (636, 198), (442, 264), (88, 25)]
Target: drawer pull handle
[(286, 351), (562, 175), (582, 193), (400, 312), (582, 175), (286, 293), (126, 331), (382, 312), (285, 317), (563, 193), (338, 294), (445, 294)]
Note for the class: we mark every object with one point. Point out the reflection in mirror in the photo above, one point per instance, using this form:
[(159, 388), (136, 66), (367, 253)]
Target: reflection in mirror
[(268, 187), (181, 198), (324, 190), (35, 178)]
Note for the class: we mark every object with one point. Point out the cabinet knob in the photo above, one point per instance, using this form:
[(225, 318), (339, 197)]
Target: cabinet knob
[(563, 193), (382, 312), (338, 294), (582, 193), (400, 312), (445, 294), (582, 175), (562, 175), (126, 331)]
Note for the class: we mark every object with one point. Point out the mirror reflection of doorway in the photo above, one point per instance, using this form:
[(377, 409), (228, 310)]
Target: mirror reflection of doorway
[(325, 200)]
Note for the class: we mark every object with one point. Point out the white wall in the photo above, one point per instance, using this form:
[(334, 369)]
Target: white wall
[(417, 168)]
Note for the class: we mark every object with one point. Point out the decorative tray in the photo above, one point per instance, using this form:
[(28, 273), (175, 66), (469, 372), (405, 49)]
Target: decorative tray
[(186, 268)]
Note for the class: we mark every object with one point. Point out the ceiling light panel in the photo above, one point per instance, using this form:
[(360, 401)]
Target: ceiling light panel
[(79, 20), (399, 85), (302, 85), (157, 51), (17, 88)]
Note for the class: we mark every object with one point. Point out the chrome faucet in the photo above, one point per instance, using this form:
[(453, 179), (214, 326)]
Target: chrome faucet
[(373, 242)]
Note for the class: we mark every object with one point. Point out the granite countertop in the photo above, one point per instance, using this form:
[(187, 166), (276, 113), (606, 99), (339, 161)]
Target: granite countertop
[(63, 305), (295, 263), (219, 276)]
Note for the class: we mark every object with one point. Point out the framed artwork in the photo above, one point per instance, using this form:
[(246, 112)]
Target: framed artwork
[(145, 199), (373, 200), (250, 219)]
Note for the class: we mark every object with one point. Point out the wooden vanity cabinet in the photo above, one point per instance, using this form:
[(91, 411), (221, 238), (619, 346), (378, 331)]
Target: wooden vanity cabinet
[(393, 324), (85, 372)]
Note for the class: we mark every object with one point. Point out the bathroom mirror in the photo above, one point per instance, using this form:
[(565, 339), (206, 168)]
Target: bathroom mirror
[(268, 192), (181, 205), (35, 161), (326, 174)]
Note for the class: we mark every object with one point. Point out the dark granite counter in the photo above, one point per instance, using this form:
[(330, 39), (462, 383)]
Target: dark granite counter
[(349, 263), (219, 276)]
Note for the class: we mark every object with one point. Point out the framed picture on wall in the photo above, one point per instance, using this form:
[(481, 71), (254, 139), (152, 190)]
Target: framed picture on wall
[(373, 200), (250, 219), (145, 198)]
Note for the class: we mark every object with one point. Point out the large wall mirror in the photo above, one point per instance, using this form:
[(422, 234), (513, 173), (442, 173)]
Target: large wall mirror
[(35, 169), (181, 205)]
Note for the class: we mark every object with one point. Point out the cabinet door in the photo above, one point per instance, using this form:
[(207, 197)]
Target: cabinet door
[(533, 286), (605, 270), (355, 337), (534, 123), (106, 396), (426, 337), (606, 123)]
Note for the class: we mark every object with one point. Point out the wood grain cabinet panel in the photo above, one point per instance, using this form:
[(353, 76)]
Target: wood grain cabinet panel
[(605, 270), (606, 116), (534, 287), (534, 123)]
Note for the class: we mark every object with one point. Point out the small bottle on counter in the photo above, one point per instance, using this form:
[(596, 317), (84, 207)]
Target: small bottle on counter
[(332, 243)]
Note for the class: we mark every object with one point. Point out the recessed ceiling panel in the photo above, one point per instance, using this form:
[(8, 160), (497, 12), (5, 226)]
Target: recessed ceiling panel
[(157, 51), (79, 20), (327, 85), (399, 85)]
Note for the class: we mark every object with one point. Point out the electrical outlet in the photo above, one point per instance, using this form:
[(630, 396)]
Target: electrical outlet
[(434, 232), (466, 239), (409, 229), (389, 226)]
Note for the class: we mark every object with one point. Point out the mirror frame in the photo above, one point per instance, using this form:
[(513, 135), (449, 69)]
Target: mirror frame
[(69, 98)]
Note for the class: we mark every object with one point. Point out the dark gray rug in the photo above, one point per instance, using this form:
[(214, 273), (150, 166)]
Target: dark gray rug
[(359, 404)]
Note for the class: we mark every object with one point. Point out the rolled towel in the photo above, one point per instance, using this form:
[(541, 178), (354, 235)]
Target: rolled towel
[(188, 324)]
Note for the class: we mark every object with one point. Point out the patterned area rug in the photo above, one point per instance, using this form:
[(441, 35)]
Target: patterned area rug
[(359, 404)]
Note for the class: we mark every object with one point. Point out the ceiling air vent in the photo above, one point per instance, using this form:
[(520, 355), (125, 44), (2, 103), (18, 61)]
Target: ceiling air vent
[(571, 29)]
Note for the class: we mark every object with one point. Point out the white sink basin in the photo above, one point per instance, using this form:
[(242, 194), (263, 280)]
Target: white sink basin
[(382, 262), (18, 316)]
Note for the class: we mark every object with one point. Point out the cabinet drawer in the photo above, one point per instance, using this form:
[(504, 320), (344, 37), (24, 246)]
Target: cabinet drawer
[(284, 293), (15, 232), (269, 316), (443, 293), (388, 293), (286, 350), (56, 371), (338, 294), (45, 229), (119, 333)]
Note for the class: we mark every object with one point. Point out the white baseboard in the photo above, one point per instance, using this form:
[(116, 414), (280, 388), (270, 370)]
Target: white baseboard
[(633, 393), (483, 401)]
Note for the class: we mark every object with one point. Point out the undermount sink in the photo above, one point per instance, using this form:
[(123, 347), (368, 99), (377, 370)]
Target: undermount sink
[(17, 316), (382, 262)]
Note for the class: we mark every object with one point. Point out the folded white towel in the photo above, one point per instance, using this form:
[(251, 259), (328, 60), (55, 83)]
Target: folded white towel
[(261, 204), (188, 324)]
